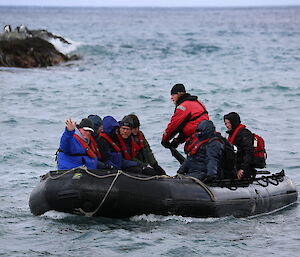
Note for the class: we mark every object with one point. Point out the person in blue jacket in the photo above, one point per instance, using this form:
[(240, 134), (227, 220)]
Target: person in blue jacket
[(76, 148), (204, 152)]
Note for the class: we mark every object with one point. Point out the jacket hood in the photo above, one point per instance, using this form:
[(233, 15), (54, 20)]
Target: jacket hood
[(234, 119), (186, 97), (206, 129), (97, 121), (109, 124)]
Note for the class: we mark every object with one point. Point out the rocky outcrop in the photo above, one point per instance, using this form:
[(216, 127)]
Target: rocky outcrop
[(28, 49)]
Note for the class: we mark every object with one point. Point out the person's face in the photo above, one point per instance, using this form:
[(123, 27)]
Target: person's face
[(174, 98), (85, 133), (228, 124), (125, 132), (100, 129), (135, 131)]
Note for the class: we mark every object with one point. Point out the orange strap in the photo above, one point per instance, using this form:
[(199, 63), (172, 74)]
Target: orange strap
[(94, 147), (109, 140), (232, 137), (195, 146), (86, 147)]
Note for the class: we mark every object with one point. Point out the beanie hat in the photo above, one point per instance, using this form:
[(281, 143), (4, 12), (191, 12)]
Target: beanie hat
[(135, 120), (177, 88), (126, 121), (86, 124), (97, 121), (234, 119)]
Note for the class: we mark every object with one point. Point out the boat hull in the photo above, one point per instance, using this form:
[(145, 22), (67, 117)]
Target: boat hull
[(119, 195)]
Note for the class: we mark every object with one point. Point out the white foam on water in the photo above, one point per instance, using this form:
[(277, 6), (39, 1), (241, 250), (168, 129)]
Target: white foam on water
[(64, 47), (159, 218)]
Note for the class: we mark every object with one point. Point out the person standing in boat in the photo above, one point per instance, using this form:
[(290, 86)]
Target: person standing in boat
[(243, 139), (114, 144), (189, 111), (144, 155), (204, 153), (76, 147)]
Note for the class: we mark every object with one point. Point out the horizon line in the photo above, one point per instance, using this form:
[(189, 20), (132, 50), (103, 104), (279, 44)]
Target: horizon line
[(157, 6)]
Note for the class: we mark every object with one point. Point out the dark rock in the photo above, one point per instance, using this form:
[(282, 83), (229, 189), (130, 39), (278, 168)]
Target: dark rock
[(26, 48), (30, 52)]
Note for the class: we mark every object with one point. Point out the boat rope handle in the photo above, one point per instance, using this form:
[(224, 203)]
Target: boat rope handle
[(203, 185), (64, 173), (124, 173), (90, 214)]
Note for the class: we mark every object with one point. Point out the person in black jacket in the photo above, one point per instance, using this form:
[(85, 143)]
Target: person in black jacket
[(243, 139), (144, 156)]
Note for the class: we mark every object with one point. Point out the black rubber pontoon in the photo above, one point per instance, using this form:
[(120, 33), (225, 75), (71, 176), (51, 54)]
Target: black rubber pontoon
[(117, 194)]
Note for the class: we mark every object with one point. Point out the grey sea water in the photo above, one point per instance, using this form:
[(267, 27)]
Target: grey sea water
[(235, 59)]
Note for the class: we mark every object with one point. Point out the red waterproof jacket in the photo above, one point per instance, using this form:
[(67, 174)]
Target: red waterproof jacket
[(189, 111)]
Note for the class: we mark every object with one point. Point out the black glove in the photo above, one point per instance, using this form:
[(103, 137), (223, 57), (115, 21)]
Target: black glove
[(208, 179), (181, 171), (159, 170), (166, 144), (109, 167), (174, 143)]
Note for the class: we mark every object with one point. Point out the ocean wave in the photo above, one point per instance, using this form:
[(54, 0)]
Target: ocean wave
[(63, 47), (194, 49)]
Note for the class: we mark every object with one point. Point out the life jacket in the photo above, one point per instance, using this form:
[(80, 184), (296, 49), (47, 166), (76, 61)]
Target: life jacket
[(141, 140), (134, 146), (92, 149), (112, 143), (232, 137), (193, 144), (259, 151)]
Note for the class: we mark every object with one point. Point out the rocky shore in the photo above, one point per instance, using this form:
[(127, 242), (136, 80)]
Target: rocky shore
[(29, 49)]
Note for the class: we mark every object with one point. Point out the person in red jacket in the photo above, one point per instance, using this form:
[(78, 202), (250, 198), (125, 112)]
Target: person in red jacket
[(189, 112)]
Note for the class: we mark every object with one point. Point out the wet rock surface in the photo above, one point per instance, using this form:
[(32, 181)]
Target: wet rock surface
[(28, 49)]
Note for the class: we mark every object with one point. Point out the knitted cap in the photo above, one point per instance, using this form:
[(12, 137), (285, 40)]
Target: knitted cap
[(86, 124), (126, 121), (177, 88), (135, 119)]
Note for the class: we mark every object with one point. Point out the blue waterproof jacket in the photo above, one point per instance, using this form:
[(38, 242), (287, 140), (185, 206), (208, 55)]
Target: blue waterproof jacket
[(206, 162), (72, 154), (108, 153)]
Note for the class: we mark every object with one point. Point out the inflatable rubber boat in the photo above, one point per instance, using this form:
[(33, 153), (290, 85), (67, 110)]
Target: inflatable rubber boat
[(116, 194)]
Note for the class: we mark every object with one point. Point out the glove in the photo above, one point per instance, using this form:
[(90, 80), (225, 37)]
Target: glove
[(109, 167), (208, 179), (159, 170), (165, 144), (174, 143)]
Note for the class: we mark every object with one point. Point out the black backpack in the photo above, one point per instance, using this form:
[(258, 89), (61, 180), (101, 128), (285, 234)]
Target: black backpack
[(228, 162)]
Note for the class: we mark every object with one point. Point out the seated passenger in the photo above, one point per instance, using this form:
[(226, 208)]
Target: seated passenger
[(114, 146), (243, 139), (97, 121), (204, 152), (76, 148), (144, 155)]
